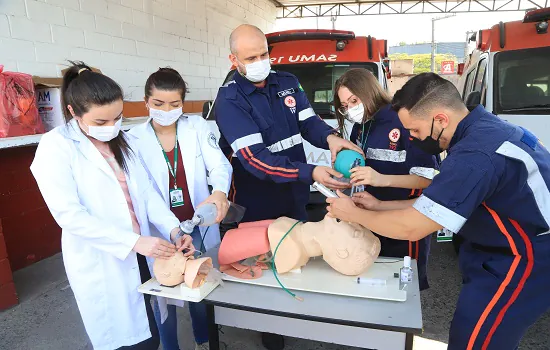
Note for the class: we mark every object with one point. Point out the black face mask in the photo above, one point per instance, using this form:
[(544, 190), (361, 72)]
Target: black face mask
[(429, 144)]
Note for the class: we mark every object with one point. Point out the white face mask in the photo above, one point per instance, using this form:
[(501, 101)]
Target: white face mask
[(257, 71), (104, 133), (164, 118), (356, 113)]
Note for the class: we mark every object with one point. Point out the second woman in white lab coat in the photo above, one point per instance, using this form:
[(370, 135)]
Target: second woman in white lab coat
[(179, 152), (97, 190)]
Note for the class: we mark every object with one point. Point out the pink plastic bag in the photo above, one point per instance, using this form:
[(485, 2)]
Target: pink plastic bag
[(18, 113)]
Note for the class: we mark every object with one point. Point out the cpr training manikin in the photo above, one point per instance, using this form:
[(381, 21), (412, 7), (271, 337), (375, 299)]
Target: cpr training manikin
[(348, 248), (179, 268)]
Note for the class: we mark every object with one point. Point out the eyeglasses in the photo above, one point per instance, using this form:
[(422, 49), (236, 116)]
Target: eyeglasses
[(344, 109)]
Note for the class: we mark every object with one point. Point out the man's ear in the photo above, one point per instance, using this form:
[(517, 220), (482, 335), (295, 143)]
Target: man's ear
[(233, 59), (442, 119)]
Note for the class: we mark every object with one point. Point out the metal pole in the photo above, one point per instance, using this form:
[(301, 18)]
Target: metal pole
[(433, 38), (433, 46)]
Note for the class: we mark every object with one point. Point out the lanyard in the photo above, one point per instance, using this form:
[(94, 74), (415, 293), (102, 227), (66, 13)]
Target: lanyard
[(173, 170), (364, 137)]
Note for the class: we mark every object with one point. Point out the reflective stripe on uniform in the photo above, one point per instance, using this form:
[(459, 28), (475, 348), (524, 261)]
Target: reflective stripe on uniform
[(427, 173), (534, 178), (287, 143), (247, 141), (305, 114), (438, 213), (387, 155)]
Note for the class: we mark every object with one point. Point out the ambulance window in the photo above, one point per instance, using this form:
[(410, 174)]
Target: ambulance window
[(323, 96), (468, 85), (522, 81), (480, 76)]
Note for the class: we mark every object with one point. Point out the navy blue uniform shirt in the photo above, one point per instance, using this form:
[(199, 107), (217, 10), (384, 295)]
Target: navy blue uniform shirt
[(262, 131), (493, 185), (389, 151)]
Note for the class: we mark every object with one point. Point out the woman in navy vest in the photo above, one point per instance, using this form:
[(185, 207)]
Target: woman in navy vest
[(395, 170)]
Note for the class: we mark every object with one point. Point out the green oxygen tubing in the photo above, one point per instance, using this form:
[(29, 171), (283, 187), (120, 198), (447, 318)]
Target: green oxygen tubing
[(273, 263)]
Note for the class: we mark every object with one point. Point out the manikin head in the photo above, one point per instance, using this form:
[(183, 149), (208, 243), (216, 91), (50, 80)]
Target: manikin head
[(348, 248), (249, 53), (430, 107), (179, 269)]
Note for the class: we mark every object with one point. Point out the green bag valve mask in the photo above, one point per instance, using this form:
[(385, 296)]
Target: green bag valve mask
[(347, 160)]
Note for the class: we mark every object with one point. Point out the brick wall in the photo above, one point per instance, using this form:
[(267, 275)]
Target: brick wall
[(29, 231), (8, 296), (128, 39)]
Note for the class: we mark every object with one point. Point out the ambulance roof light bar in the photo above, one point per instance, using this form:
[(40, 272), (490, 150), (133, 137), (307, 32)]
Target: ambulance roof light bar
[(540, 18), (540, 15), (309, 34)]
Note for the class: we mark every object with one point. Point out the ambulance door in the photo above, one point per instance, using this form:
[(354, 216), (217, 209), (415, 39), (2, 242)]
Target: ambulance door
[(475, 84)]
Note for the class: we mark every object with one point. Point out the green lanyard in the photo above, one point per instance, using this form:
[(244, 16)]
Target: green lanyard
[(173, 170)]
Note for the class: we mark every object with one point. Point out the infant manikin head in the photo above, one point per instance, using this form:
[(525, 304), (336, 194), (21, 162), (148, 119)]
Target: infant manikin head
[(179, 269)]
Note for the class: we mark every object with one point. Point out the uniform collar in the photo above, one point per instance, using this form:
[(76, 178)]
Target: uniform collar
[(465, 123), (381, 113), (247, 85)]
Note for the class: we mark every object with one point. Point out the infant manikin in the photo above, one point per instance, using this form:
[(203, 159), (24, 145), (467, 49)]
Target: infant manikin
[(348, 248), (179, 269)]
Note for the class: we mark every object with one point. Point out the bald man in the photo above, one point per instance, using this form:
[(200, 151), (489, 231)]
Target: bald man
[(263, 117)]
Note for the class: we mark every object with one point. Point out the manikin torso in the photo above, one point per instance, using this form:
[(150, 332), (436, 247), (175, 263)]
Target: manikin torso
[(348, 248)]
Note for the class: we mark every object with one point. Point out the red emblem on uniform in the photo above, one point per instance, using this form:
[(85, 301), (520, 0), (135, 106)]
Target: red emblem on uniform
[(395, 134), (290, 101)]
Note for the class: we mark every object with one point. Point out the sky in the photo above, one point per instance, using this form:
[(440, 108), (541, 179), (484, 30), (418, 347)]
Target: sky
[(407, 28)]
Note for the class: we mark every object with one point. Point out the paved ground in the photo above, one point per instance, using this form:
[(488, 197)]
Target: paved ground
[(47, 317)]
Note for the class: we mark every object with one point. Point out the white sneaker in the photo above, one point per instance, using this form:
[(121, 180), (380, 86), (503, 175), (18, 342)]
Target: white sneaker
[(203, 346)]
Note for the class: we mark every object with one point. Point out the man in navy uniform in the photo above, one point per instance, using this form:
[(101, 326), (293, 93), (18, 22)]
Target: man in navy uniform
[(493, 191), (263, 117)]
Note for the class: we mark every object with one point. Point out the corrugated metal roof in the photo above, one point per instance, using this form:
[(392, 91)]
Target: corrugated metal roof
[(312, 2)]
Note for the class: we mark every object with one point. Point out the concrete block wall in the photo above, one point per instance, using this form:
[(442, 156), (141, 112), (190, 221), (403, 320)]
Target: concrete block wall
[(8, 295), (128, 39)]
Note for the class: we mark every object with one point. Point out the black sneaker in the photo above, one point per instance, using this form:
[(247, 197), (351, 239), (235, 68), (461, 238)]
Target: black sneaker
[(272, 341)]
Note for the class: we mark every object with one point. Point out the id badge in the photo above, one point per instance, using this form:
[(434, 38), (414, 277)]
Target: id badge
[(444, 235), (176, 197)]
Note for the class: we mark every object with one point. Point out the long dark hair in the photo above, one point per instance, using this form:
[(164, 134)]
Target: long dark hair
[(83, 88), (363, 84), (166, 79)]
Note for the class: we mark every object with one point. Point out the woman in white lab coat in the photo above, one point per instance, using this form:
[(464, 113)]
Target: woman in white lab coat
[(179, 152), (97, 190)]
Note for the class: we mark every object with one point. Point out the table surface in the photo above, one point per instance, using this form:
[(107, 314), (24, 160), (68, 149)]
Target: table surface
[(368, 313)]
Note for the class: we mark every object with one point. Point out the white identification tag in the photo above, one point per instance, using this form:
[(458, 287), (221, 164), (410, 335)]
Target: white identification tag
[(176, 197), (444, 235)]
